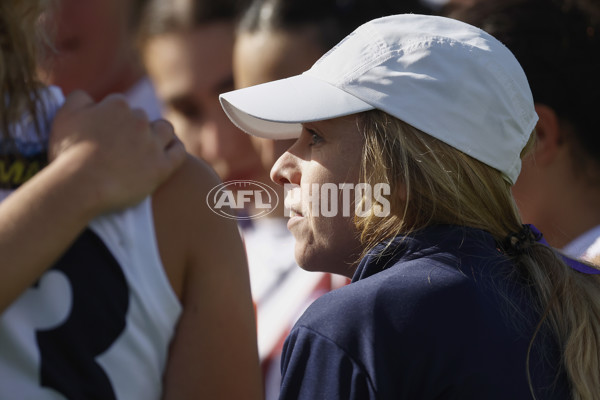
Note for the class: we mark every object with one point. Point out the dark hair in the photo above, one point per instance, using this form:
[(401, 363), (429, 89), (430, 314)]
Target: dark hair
[(557, 43), (333, 18), (164, 16), (136, 13)]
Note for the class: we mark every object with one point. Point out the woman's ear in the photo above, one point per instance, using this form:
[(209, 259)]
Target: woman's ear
[(549, 137)]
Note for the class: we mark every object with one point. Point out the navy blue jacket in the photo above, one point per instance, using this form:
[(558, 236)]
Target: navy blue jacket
[(440, 315)]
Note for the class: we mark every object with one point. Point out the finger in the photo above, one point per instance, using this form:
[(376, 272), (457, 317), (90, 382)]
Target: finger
[(115, 97), (140, 114), (173, 148), (175, 153), (77, 100), (164, 131), (116, 105)]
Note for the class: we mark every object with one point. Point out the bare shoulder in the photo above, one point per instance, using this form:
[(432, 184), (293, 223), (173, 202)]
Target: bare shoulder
[(205, 260), (186, 229)]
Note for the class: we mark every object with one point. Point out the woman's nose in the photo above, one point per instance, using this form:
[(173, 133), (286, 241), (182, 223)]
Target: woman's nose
[(286, 169)]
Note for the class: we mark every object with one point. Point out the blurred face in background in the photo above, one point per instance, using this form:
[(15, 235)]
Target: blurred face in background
[(94, 47), (267, 55), (189, 71)]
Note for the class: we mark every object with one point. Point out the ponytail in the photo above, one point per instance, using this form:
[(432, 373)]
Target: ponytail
[(433, 183), (571, 309)]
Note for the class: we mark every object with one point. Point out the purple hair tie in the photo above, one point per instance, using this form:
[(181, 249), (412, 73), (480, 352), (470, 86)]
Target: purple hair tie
[(574, 264)]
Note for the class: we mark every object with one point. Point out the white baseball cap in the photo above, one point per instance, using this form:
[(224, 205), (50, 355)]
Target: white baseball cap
[(449, 79)]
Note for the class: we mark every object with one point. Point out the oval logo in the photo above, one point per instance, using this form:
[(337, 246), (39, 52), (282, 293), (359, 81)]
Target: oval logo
[(242, 200)]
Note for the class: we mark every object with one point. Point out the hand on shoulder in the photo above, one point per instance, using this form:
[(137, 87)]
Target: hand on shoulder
[(118, 153)]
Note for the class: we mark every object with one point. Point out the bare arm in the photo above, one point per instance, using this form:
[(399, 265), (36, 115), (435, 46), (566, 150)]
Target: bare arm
[(214, 353), (110, 157)]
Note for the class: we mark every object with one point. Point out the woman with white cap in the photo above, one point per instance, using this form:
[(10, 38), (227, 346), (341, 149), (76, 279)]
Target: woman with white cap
[(451, 296)]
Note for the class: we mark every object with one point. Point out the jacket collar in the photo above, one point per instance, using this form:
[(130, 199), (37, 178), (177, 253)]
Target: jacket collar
[(433, 240)]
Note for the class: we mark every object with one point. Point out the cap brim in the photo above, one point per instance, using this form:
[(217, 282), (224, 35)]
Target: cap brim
[(275, 110)]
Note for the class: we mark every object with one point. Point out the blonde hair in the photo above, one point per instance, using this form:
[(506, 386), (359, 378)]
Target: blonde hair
[(433, 183), (20, 40)]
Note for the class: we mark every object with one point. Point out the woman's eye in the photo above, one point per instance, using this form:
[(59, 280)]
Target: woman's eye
[(187, 108), (315, 138)]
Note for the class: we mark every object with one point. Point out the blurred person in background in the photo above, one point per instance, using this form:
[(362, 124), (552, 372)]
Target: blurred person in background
[(132, 309), (187, 48), (558, 44), (95, 50)]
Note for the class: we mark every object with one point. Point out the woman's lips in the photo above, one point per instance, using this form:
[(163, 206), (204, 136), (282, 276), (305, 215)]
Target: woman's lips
[(294, 213), (295, 217)]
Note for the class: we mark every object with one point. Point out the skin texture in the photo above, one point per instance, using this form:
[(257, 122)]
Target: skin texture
[(205, 262), (94, 48), (191, 98), (327, 244)]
